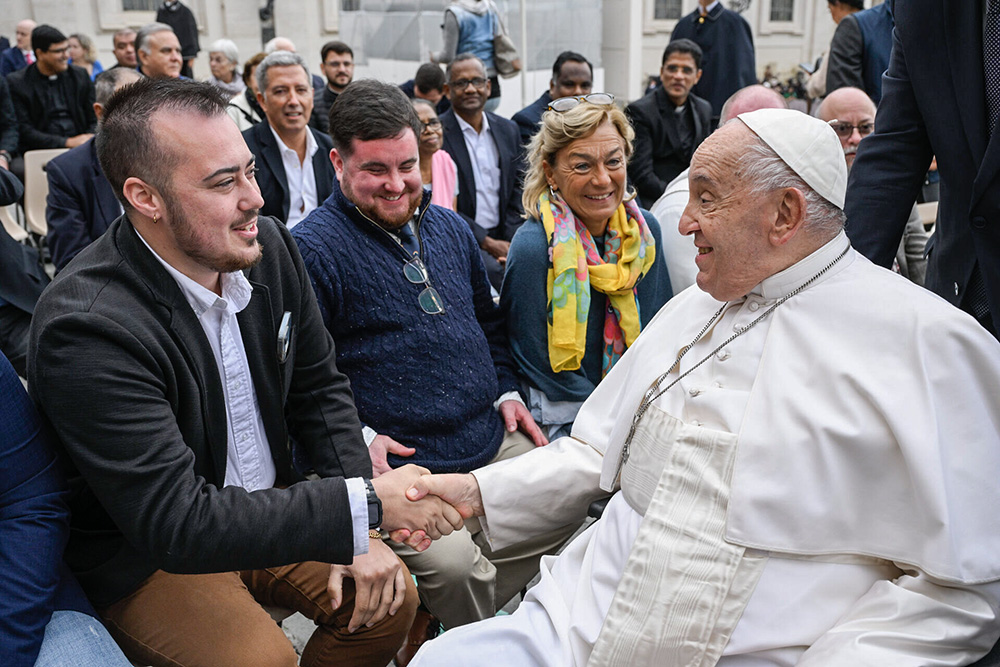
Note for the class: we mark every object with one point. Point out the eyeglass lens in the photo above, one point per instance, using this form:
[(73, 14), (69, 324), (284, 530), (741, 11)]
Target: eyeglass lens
[(845, 130), (567, 103), (462, 84), (429, 299)]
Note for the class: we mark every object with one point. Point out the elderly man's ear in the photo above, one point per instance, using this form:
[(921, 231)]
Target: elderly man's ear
[(790, 217)]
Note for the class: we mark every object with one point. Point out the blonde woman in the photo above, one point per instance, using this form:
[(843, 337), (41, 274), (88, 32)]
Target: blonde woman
[(83, 54)]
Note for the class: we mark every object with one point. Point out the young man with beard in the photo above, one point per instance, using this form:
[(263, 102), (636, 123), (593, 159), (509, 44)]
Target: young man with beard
[(403, 290), (176, 362)]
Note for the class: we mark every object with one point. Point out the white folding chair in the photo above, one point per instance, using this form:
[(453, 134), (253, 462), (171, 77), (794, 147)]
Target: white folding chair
[(36, 187), (8, 216)]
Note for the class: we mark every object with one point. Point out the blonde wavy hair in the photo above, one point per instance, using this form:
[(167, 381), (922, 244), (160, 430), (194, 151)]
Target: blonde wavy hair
[(558, 130)]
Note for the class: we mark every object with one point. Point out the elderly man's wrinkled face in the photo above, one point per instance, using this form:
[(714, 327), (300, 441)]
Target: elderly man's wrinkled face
[(851, 113), (164, 57), (730, 225)]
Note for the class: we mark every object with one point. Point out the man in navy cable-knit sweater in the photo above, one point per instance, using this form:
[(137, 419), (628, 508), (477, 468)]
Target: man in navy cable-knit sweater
[(403, 290)]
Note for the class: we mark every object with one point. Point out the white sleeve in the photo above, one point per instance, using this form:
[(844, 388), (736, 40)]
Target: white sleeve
[(914, 620), (541, 490)]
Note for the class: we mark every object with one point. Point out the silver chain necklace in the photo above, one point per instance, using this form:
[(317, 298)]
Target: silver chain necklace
[(654, 391)]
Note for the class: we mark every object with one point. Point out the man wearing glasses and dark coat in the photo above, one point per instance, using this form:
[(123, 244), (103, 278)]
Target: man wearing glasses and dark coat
[(403, 291)]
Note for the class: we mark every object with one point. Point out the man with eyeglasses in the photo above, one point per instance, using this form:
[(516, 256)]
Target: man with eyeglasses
[(670, 123), (851, 113), (487, 150), (403, 291), (53, 100)]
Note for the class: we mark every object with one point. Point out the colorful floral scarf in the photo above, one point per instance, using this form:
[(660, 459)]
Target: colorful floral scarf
[(575, 266)]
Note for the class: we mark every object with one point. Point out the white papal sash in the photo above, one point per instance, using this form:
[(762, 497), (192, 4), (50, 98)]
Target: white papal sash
[(684, 587)]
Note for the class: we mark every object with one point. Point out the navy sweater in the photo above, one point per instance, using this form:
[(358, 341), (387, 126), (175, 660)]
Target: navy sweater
[(427, 381)]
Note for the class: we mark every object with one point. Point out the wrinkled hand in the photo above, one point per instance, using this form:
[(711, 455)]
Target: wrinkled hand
[(497, 248), (381, 445), (379, 585), (514, 414), (402, 517)]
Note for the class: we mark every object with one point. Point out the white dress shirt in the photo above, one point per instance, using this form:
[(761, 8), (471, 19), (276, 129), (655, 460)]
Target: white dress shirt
[(486, 168), (302, 197)]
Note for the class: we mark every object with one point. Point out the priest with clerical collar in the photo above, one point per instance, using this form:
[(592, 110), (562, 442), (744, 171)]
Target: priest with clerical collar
[(802, 451)]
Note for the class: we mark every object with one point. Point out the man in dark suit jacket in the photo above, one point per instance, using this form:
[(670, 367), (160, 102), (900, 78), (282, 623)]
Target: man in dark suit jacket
[(934, 103), (572, 76), (22, 280), (489, 177), (52, 113), (285, 138), (12, 58), (669, 124), (81, 204), (176, 362)]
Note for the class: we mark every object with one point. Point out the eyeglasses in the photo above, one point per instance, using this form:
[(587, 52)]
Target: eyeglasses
[(432, 124), (845, 130), (479, 82), (567, 103), (429, 299)]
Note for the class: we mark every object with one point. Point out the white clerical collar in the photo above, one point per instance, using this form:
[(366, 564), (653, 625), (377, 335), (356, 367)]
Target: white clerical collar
[(783, 282), (236, 289), (311, 145), (465, 127), (708, 10)]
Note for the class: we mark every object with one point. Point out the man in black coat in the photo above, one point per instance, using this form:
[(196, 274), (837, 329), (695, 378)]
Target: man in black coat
[(669, 124), (53, 100), (486, 148), (295, 174), (935, 103), (176, 362), (727, 44)]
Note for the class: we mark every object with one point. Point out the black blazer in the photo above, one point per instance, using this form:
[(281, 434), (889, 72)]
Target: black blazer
[(271, 177), (529, 117), (508, 142), (31, 105), (121, 368), (658, 156), (80, 205), (933, 103), (22, 277)]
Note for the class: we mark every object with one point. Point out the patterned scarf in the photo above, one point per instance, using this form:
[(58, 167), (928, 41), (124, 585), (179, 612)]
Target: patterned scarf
[(575, 266)]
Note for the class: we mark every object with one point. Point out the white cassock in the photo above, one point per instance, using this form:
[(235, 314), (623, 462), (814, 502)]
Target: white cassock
[(822, 491)]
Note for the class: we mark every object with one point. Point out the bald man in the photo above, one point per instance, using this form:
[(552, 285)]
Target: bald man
[(851, 113), (20, 55), (679, 250)]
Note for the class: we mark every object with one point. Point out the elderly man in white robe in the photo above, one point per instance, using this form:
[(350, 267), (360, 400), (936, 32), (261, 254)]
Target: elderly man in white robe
[(803, 450)]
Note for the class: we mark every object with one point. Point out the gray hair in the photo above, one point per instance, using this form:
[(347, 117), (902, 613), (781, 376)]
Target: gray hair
[(226, 47), (279, 59), (761, 168), (147, 31), (272, 45), (109, 80)]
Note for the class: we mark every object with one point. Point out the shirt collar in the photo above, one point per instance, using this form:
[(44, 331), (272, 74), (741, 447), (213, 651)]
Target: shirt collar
[(311, 145), (783, 282), (708, 10), (236, 289), (465, 127)]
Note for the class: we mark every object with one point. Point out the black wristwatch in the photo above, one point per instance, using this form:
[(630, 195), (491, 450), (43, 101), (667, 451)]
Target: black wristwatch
[(374, 507)]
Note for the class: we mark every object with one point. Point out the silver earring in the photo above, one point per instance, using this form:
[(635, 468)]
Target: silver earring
[(552, 191)]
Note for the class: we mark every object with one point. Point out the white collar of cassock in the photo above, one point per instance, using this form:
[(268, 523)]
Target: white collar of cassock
[(783, 282)]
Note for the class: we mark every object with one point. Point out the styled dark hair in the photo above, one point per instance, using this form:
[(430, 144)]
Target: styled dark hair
[(461, 58), (108, 80), (429, 77), (44, 36), (369, 110), (337, 47), (853, 4), (250, 64), (682, 45), (569, 57), (126, 140)]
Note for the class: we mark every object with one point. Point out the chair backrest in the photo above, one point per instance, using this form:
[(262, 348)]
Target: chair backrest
[(36, 187), (928, 213), (8, 216)]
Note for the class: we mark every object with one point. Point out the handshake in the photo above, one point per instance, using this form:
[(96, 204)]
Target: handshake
[(418, 507)]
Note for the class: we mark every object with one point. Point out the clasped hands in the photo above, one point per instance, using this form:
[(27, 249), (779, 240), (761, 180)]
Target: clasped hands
[(418, 507)]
